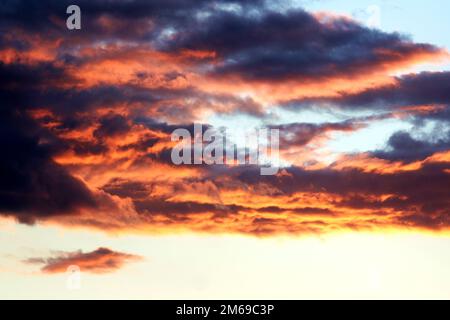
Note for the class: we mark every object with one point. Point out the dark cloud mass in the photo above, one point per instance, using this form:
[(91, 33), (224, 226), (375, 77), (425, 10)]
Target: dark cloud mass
[(32, 184), (403, 147), (296, 45), (86, 118), (426, 88)]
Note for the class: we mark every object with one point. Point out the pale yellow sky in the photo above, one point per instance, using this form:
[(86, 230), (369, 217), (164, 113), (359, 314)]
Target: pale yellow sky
[(351, 265)]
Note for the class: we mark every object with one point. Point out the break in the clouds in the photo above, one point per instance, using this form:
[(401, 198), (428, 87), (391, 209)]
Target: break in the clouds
[(101, 260), (86, 118)]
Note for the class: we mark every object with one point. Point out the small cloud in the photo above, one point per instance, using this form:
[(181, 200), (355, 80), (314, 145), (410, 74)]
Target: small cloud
[(101, 260)]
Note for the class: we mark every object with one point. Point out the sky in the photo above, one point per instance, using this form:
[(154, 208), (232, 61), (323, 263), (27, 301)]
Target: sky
[(93, 207)]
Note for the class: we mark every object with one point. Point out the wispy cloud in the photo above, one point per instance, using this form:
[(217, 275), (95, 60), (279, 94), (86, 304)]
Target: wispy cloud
[(101, 260)]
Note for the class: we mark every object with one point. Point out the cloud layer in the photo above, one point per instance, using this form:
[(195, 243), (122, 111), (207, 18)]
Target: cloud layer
[(86, 119)]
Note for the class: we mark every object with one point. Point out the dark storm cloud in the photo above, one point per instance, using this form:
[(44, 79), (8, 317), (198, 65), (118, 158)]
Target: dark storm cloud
[(18, 76), (293, 45), (31, 12), (255, 44), (112, 125), (249, 39), (403, 147), (32, 185), (140, 20)]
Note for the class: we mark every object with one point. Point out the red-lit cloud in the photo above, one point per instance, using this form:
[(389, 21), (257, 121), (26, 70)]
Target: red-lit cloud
[(86, 120), (101, 260)]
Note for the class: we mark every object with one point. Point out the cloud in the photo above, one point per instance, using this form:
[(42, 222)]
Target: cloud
[(112, 125), (86, 119), (32, 183), (403, 147), (136, 19), (101, 260), (300, 134), (273, 46), (426, 88)]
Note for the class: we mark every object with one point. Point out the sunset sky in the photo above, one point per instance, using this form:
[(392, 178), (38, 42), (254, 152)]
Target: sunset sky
[(359, 91)]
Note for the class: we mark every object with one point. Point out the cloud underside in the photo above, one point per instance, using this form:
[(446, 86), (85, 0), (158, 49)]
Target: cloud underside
[(86, 118), (101, 260)]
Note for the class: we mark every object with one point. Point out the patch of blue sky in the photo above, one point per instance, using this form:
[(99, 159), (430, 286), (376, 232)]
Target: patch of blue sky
[(424, 22), (373, 137)]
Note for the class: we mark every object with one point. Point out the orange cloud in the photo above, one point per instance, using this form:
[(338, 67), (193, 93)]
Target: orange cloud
[(101, 260)]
